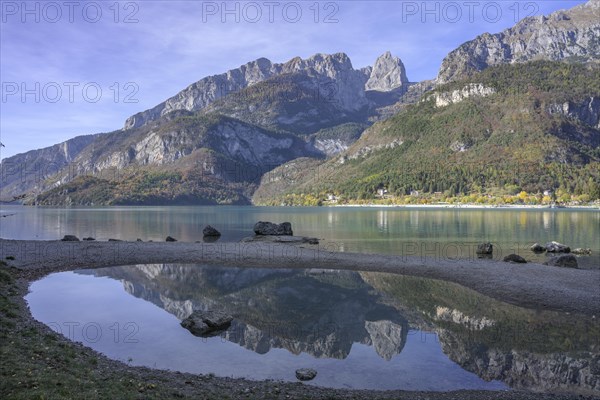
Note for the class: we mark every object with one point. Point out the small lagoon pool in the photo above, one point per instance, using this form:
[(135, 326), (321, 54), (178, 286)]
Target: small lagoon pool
[(356, 329)]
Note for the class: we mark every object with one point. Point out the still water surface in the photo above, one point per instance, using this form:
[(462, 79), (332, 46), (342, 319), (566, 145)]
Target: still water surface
[(447, 233), (357, 329)]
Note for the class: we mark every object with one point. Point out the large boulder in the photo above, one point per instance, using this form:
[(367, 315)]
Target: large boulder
[(564, 260), (515, 258), (305, 374), (170, 239), (555, 247), (484, 248), (205, 323), (269, 228), (209, 231)]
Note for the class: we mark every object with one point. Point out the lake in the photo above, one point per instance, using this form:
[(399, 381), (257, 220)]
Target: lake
[(356, 329), (427, 232)]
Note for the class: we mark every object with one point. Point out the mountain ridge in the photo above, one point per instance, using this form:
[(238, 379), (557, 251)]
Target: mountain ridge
[(564, 34), (209, 89), (303, 98)]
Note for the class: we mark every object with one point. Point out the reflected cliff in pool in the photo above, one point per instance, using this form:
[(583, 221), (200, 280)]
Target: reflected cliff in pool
[(358, 329), (322, 313)]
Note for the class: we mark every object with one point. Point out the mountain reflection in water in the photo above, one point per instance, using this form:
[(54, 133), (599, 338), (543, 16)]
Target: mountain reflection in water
[(324, 313)]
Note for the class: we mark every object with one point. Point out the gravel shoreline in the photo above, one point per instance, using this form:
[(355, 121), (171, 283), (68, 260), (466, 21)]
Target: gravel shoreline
[(528, 285), (29, 348)]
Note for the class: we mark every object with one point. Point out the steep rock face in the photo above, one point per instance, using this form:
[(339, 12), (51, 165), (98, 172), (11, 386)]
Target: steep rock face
[(28, 171), (387, 74), (239, 141), (456, 96), (205, 91), (345, 86), (574, 33), (587, 111), (299, 102)]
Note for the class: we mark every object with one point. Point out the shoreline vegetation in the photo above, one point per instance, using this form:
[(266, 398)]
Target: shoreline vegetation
[(474, 201), (40, 363)]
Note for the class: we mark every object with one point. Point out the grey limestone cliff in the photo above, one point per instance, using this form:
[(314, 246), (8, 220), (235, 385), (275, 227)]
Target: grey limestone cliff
[(565, 34), (387, 74)]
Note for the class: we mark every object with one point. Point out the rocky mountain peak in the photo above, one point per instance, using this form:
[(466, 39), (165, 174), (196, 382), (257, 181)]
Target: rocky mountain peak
[(564, 34), (348, 91), (329, 65), (254, 71), (338, 81), (387, 74)]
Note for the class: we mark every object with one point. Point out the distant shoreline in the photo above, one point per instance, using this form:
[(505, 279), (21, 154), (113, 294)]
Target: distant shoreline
[(469, 206), (432, 206)]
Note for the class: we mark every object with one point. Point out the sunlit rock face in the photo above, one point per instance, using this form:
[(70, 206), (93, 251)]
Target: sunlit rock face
[(387, 74), (574, 33), (456, 96)]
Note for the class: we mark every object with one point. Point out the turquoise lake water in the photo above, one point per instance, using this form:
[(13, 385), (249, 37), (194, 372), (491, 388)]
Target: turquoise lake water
[(446, 233)]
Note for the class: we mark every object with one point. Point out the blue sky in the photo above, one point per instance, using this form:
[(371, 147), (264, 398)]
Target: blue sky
[(73, 68)]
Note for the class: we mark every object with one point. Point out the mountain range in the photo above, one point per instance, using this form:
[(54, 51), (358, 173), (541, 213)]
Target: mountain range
[(526, 98)]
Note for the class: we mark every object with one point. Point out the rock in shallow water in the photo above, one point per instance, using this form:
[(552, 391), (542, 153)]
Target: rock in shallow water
[(170, 239), (203, 323), (305, 374), (555, 247), (210, 231), (485, 248), (269, 228), (538, 248)]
